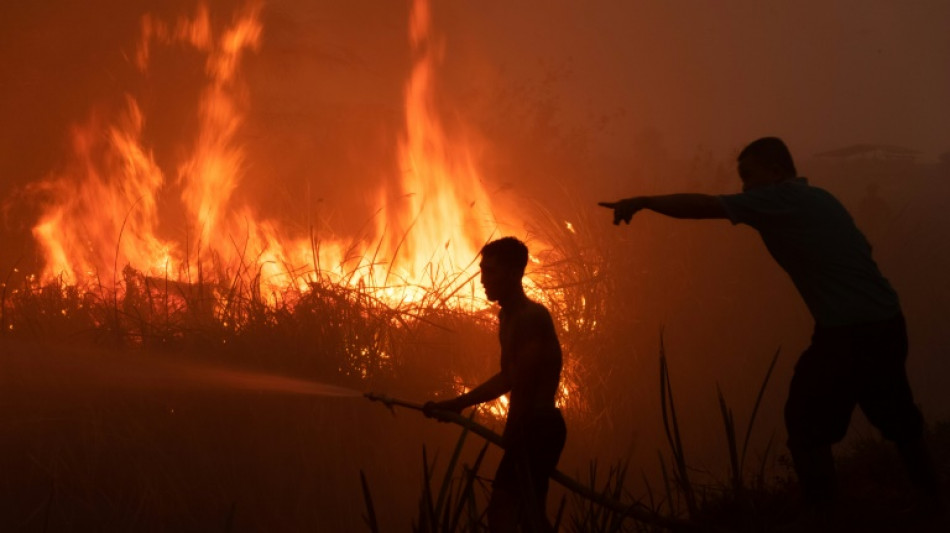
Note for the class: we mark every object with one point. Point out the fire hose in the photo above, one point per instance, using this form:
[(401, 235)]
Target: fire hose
[(636, 511)]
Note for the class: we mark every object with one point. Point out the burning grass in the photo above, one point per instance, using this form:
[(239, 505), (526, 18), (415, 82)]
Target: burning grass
[(334, 329), (112, 419), (153, 458), (94, 453), (99, 436)]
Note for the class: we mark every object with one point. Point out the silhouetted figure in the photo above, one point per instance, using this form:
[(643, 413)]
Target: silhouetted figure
[(534, 432), (859, 346)]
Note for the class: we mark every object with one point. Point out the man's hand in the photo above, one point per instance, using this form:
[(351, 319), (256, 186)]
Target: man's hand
[(624, 209), (433, 409)]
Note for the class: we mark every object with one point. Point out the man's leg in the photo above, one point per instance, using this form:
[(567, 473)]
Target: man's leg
[(516, 500), (523, 504), (887, 401), (502, 511), (920, 468), (534, 517), (549, 434), (817, 414), (504, 505)]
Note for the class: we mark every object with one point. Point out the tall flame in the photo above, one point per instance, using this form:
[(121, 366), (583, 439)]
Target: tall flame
[(105, 207), (447, 214)]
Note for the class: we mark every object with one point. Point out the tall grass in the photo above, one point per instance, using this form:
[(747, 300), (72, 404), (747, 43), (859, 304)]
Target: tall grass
[(672, 430), (345, 333), (605, 504)]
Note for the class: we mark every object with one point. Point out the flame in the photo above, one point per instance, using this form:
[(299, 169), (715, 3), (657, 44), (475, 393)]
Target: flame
[(107, 209), (113, 217), (447, 211), (109, 191)]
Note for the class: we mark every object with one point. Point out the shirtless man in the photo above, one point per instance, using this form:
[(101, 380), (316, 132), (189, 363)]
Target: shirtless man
[(534, 432)]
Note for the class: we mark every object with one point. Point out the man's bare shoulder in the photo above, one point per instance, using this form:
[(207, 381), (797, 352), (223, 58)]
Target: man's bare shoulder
[(532, 314)]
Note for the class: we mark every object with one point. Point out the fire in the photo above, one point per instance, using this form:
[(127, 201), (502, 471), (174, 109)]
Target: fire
[(448, 214), (108, 209), (113, 218)]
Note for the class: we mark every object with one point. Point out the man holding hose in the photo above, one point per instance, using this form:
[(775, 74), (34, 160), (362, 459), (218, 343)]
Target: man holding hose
[(859, 345), (534, 432)]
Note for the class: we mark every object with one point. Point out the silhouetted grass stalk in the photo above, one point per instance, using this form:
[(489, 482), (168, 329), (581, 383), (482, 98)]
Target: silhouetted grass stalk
[(737, 457), (672, 430)]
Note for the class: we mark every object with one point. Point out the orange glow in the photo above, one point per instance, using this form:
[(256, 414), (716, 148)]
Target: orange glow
[(447, 215), (498, 408), (106, 222), (495, 409), (103, 214)]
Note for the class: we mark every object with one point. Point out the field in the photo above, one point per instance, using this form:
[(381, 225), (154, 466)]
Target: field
[(198, 407)]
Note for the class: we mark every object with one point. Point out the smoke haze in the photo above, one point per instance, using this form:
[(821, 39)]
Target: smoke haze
[(561, 104), (820, 75)]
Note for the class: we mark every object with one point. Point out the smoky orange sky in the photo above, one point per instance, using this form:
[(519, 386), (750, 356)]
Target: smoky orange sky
[(715, 74), (568, 96)]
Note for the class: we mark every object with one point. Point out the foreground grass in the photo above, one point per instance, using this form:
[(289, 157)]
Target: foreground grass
[(875, 495), (103, 440)]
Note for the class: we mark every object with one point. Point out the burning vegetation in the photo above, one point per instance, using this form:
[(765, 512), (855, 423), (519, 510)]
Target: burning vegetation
[(167, 256), (113, 207), (154, 252)]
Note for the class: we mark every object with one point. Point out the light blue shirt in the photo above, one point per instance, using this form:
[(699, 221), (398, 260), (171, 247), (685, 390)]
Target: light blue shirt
[(814, 239)]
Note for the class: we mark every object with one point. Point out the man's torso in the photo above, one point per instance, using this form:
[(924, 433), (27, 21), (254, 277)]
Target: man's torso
[(814, 239), (534, 379)]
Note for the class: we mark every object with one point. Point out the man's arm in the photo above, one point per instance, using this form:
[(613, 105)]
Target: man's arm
[(686, 205), (494, 387)]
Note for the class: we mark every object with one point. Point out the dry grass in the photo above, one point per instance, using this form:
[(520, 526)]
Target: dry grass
[(80, 453)]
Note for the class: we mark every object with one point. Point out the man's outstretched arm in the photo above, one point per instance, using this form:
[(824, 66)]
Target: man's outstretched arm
[(686, 205)]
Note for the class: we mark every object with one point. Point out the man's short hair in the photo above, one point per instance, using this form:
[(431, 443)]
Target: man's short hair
[(509, 251), (771, 151)]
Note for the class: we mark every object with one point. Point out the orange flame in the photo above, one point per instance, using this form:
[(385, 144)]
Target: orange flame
[(104, 210), (448, 213)]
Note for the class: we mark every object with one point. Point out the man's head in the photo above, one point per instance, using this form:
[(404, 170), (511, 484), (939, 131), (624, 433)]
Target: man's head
[(765, 161), (503, 263)]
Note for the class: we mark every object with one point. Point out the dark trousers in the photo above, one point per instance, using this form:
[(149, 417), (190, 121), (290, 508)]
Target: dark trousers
[(846, 366), (533, 445)]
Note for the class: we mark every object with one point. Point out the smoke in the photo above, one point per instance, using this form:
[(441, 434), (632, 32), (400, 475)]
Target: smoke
[(326, 84), (564, 105)]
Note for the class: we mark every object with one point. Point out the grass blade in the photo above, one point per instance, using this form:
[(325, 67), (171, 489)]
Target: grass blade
[(730, 429), (370, 517), (755, 408)]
